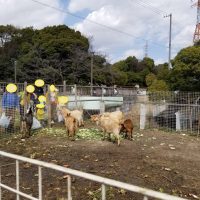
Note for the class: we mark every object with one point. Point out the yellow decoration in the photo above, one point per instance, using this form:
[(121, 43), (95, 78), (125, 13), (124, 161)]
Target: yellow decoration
[(40, 112), (63, 99), (42, 98), (30, 88), (39, 83), (11, 88), (52, 88), (40, 106)]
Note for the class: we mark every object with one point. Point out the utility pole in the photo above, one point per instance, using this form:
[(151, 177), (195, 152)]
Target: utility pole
[(91, 73), (146, 49), (15, 70), (170, 39)]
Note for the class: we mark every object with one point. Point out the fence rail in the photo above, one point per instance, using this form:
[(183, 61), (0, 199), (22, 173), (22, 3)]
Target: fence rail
[(71, 172)]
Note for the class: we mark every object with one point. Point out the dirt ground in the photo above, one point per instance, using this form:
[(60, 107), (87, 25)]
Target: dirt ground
[(165, 162)]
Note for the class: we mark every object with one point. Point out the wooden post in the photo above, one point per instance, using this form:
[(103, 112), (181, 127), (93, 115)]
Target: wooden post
[(49, 107), (64, 87)]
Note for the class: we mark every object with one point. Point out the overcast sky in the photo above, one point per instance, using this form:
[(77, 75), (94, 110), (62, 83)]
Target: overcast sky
[(141, 19)]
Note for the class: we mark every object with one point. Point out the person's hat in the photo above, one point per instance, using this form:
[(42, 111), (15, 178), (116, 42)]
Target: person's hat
[(40, 106), (11, 88), (63, 99), (30, 88), (39, 83), (42, 98), (53, 88)]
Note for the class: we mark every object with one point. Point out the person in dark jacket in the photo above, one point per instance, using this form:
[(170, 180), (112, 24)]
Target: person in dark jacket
[(39, 84), (10, 102)]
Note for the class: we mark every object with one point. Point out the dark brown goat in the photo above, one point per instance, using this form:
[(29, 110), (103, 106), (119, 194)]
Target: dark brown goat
[(127, 127), (26, 123)]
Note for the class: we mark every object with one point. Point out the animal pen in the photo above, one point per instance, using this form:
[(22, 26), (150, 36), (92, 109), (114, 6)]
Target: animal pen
[(169, 111)]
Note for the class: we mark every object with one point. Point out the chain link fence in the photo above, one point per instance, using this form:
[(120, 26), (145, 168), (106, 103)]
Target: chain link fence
[(170, 111)]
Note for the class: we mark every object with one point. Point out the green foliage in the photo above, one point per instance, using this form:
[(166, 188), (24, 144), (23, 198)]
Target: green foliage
[(120, 77), (163, 72), (150, 78), (131, 71), (58, 53), (158, 85), (185, 74), (54, 53)]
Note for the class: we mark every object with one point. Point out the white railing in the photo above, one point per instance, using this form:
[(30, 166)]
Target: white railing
[(71, 172)]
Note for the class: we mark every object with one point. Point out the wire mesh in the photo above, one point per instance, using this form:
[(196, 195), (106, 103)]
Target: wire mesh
[(170, 111)]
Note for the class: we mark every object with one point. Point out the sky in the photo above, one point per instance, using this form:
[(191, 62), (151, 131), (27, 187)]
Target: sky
[(116, 28)]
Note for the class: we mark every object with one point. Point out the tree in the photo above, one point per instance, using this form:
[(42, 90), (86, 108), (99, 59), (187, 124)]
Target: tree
[(54, 53), (150, 79), (136, 71), (185, 74), (158, 85)]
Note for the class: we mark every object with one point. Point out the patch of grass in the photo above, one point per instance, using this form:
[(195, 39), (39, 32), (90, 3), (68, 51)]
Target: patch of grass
[(89, 134), (86, 134)]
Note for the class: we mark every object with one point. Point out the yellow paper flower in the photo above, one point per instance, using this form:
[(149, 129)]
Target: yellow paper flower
[(40, 106), (52, 88), (40, 111), (42, 98)]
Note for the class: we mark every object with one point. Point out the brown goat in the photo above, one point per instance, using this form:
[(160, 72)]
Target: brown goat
[(77, 114), (127, 127), (71, 125), (108, 125)]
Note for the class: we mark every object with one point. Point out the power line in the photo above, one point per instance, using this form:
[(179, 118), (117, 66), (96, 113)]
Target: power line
[(94, 22), (149, 5)]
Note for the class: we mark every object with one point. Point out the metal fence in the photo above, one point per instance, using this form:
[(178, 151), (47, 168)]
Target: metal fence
[(99, 93), (170, 111), (105, 182)]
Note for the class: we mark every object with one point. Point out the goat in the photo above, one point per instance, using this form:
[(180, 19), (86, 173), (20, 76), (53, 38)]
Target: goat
[(77, 114), (108, 124), (26, 123), (127, 127), (116, 115), (71, 125)]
